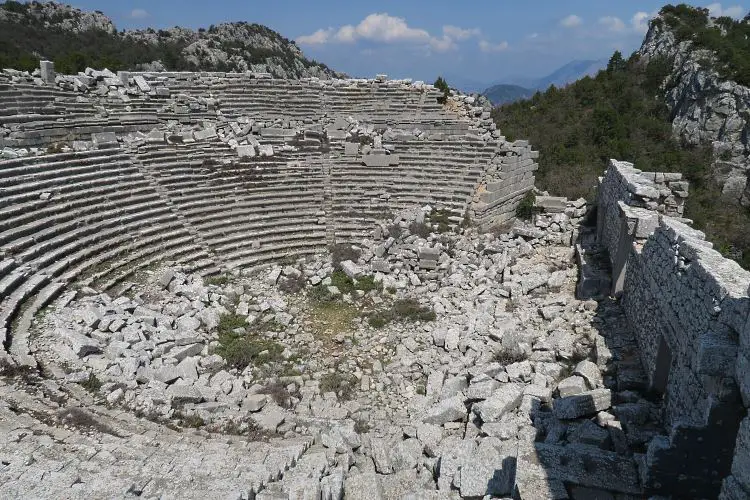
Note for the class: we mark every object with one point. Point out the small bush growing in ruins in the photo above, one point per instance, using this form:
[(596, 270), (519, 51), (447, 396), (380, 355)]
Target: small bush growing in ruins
[(344, 283), (341, 252), (368, 283), (509, 355), (192, 420), (92, 384), (379, 319), (412, 310), (218, 280), (342, 385), (319, 293), (82, 419), (420, 229), (279, 393), (291, 284), (442, 85), (526, 208), (361, 426), (240, 349), (394, 231), (57, 147)]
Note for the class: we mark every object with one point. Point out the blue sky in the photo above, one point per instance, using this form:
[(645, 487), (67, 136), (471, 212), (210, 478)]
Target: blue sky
[(483, 40)]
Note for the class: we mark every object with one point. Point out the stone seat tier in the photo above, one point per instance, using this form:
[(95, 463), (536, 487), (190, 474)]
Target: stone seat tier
[(26, 217), (250, 233), (19, 237), (142, 456), (275, 253)]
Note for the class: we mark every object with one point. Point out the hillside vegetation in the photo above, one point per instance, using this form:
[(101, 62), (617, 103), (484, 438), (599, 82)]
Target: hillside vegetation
[(75, 39), (621, 114), (727, 39), (505, 93)]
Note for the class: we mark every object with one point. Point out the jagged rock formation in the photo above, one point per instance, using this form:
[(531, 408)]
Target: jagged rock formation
[(239, 46), (705, 109)]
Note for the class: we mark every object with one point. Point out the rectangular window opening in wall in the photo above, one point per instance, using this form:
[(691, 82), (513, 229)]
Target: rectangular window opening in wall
[(661, 371)]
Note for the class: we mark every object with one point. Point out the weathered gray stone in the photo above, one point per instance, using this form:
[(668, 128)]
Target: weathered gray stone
[(584, 404), (447, 410), (503, 400)]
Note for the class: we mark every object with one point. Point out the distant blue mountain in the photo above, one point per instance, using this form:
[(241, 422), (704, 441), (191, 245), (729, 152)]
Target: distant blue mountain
[(574, 70), (504, 93)]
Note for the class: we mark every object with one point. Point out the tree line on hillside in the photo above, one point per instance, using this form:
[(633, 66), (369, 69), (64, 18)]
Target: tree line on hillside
[(24, 40), (728, 39), (620, 113)]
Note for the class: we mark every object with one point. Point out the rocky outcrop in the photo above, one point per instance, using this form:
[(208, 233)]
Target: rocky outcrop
[(705, 109), (237, 46)]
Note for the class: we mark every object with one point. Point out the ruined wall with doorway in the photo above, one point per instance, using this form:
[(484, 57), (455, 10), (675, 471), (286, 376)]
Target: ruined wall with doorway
[(688, 307)]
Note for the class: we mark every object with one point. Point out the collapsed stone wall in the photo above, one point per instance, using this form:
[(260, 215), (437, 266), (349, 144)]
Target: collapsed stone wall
[(689, 309)]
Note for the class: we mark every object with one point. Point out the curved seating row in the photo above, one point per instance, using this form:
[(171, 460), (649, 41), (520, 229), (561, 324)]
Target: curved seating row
[(78, 217)]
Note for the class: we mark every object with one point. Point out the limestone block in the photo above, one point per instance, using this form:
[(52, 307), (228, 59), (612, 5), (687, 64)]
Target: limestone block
[(590, 372), (142, 84), (376, 160), (79, 343), (351, 149), (104, 140), (447, 410), (364, 486), (351, 269), (584, 404), (552, 204), (48, 72), (182, 394), (503, 400), (247, 151)]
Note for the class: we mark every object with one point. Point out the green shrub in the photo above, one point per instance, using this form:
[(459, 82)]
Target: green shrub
[(240, 348), (412, 310), (379, 319), (420, 229), (218, 280), (368, 283), (442, 85), (525, 209), (92, 384), (343, 385), (341, 252)]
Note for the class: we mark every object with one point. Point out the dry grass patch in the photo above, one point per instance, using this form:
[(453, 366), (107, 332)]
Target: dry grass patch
[(329, 319)]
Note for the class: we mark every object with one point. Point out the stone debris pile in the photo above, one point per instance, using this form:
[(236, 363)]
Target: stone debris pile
[(467, 368)]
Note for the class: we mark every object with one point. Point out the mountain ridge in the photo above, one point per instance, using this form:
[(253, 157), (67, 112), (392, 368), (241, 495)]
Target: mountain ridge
[(75, 39), (516, 89)]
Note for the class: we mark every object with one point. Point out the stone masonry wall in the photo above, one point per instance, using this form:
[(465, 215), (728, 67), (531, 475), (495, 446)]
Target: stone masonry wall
[(507, 180), (688, 307)]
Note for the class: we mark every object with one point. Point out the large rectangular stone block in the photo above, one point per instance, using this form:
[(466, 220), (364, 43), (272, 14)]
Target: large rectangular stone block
[(47, 69), (581, 405)]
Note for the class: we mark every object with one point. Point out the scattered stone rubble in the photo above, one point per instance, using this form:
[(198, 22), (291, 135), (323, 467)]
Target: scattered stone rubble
[(513, 362)]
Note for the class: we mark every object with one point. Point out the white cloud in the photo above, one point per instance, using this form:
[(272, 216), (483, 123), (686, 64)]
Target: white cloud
[(383, 28), (488, 47), (317, 38), (346, 34), (443, 44), (139, 14), (571, 21), (456, 33), (716, 10), (640, 21), (612, 23)]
